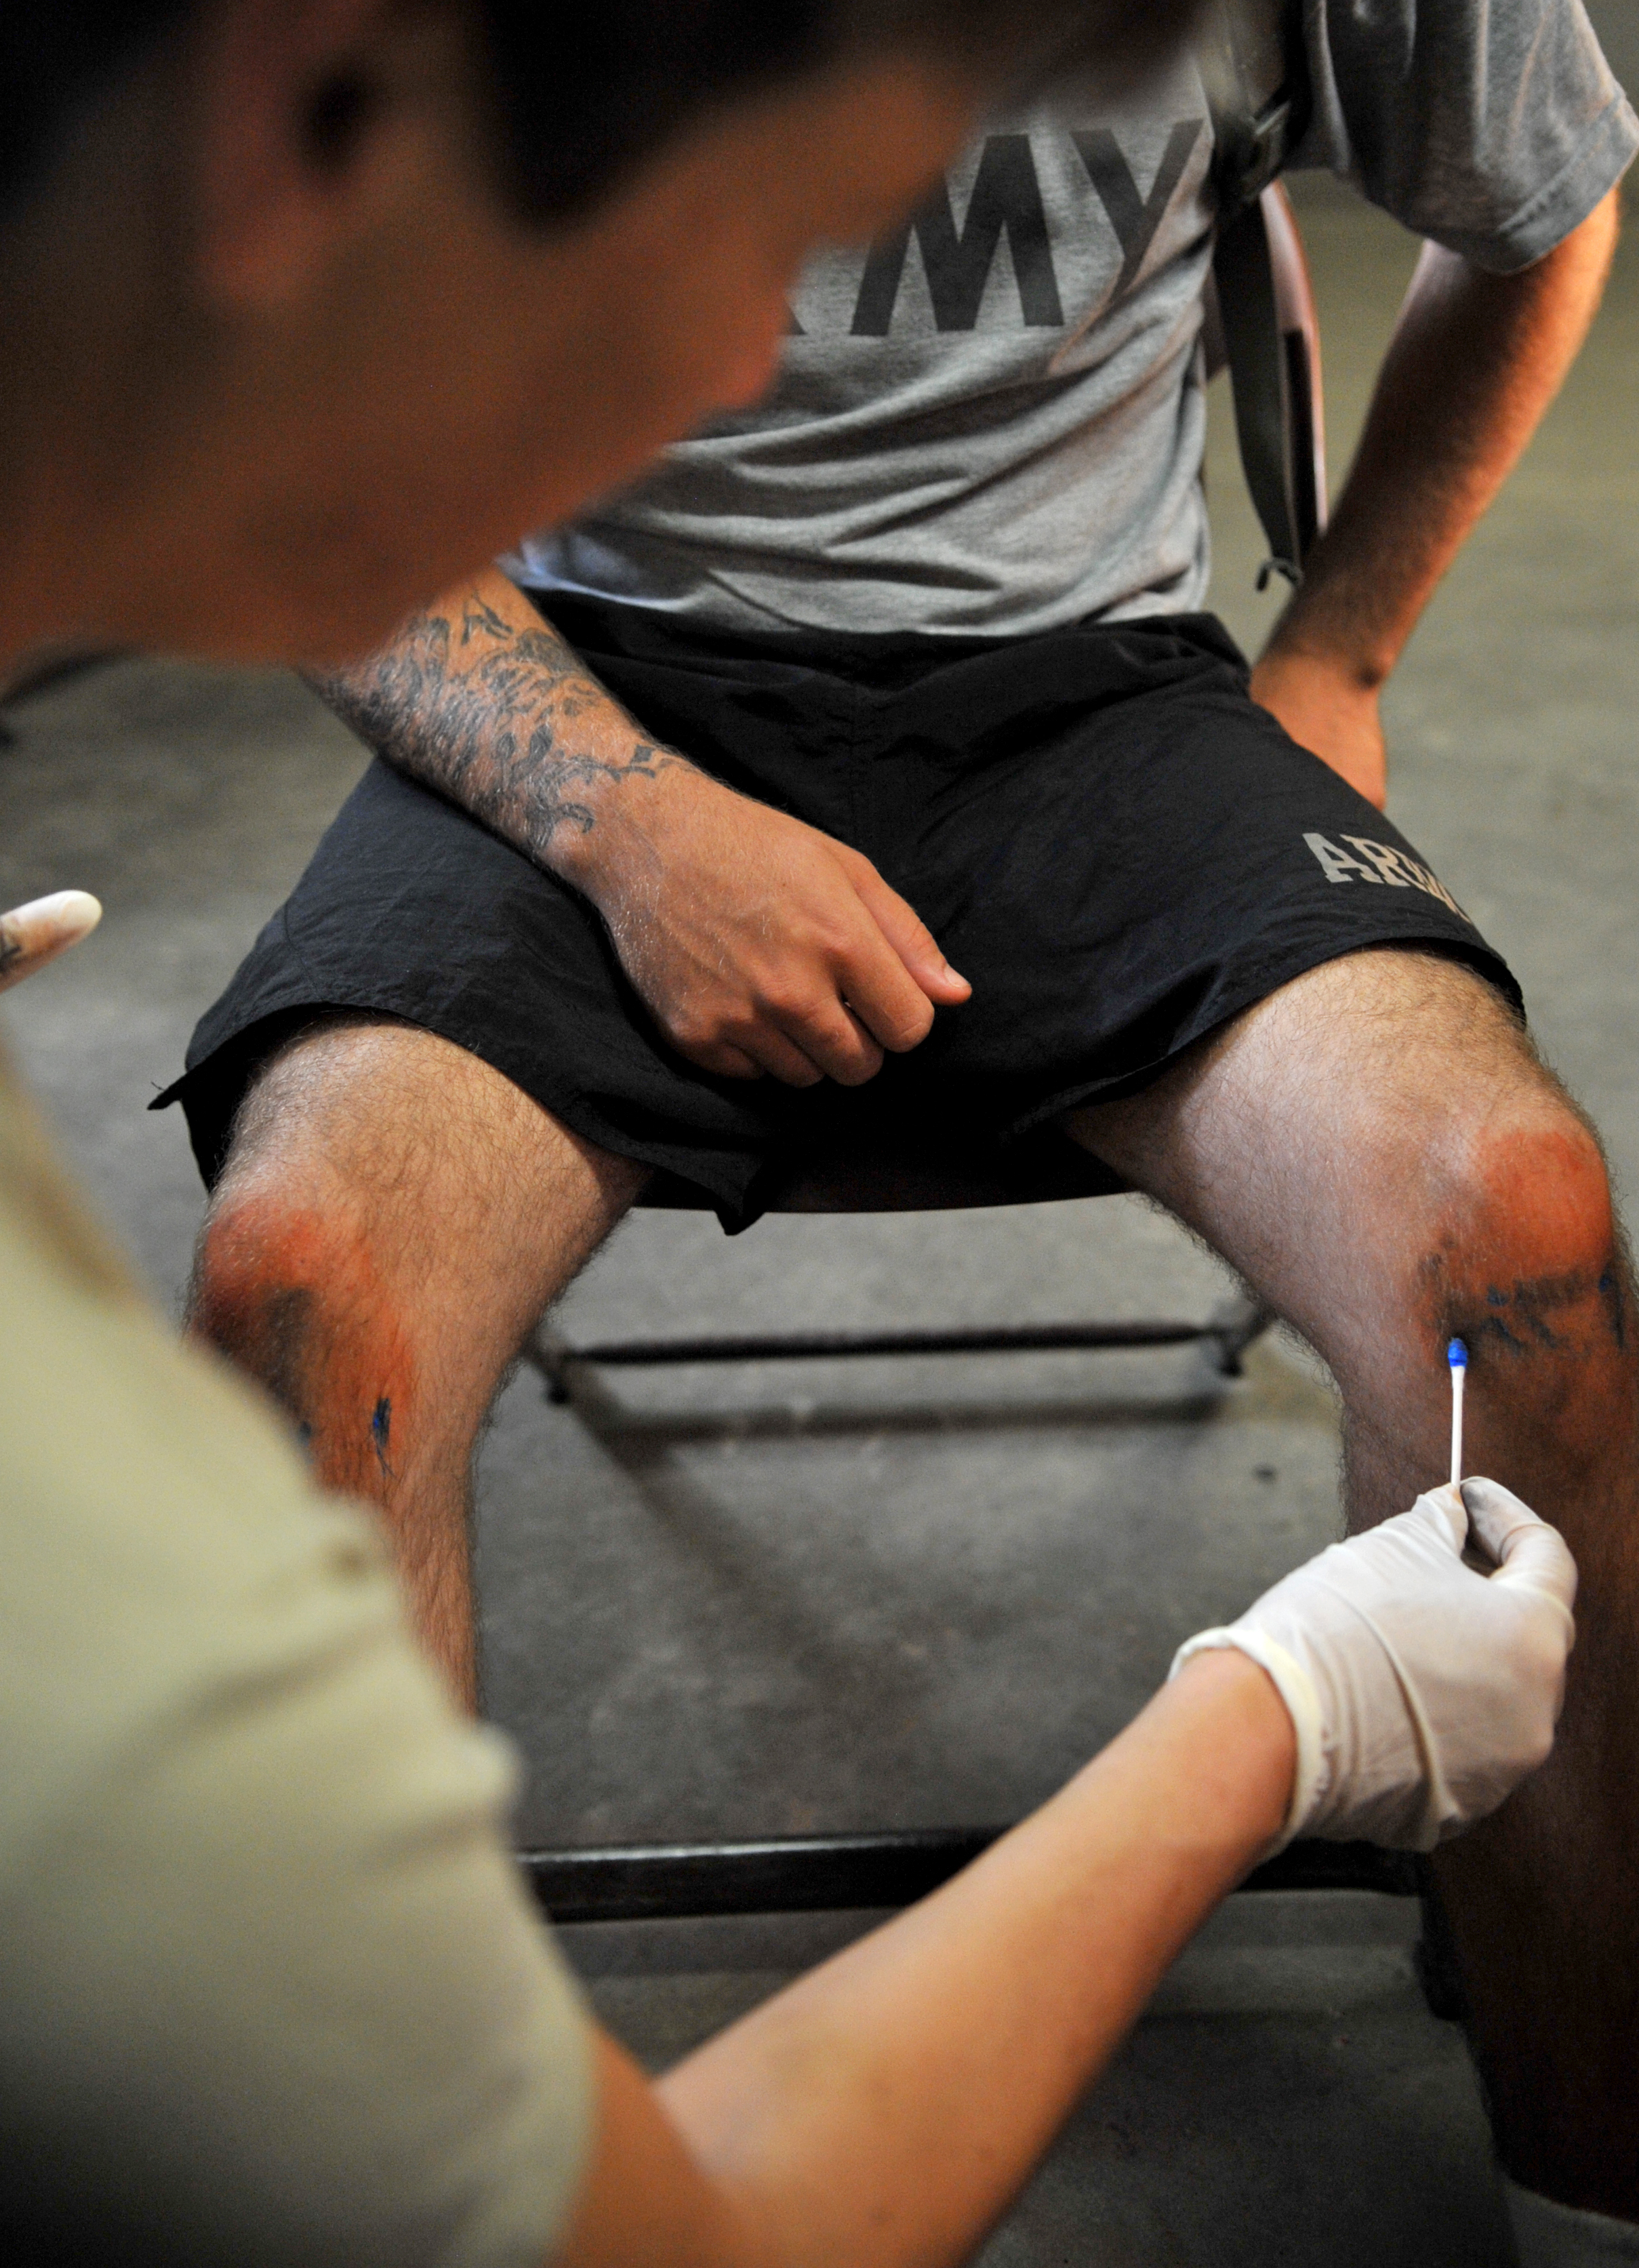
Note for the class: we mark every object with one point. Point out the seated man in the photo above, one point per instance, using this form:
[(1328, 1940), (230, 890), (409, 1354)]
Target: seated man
[(902, 675), (268, 1991)]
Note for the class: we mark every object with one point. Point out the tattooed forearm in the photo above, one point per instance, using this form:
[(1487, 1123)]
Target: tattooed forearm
[(505, 720), (479, 614)]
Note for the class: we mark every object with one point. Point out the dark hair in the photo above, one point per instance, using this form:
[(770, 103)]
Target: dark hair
[(582, 93), (53, 60), (586, 91)]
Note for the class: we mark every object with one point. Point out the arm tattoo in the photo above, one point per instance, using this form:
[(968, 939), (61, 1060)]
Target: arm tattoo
[(517, 729), (480, 615)]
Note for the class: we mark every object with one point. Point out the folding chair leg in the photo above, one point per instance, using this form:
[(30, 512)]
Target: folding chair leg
[(1435, 1958), (553, 1357), (1234, 1327)]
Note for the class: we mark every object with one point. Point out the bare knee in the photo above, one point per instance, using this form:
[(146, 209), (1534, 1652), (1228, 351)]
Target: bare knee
[(288, 1288), (393, 1216), (1476, 1192), (1526, 1260), (291, 1280)]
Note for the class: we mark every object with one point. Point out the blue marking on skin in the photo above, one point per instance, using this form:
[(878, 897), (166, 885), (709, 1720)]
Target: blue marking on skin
[(381, 1433)]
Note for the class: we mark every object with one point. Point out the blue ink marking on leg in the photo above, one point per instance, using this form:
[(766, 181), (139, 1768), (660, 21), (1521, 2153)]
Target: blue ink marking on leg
[(381, 1435)]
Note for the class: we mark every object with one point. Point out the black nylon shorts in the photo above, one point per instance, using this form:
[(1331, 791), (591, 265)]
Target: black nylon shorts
[(1105, 833)]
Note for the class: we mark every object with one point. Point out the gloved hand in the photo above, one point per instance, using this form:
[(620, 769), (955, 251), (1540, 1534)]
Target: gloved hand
[(1422, 1691), (32, 935)]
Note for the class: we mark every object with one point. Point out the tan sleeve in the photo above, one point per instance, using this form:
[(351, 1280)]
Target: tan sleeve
[(271, 1991)]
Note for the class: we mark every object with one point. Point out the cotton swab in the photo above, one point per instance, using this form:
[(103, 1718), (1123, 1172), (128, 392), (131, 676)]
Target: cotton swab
[(1457, 1355)]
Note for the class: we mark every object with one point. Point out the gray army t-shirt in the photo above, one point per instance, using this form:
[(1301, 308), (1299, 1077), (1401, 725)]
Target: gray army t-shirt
[(992, 421), (269, 1989)]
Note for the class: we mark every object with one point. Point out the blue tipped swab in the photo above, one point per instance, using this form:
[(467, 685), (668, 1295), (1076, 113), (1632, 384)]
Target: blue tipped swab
[(1457, 1355)]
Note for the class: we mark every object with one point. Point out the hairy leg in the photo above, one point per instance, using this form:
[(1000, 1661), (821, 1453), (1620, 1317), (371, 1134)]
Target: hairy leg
[(1379, 1150), (393, 1219)]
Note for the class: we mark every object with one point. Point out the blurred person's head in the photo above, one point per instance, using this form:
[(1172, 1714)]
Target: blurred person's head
[(308, 306)]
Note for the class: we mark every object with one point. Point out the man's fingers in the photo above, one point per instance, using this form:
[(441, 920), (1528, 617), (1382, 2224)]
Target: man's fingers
[(838, 1041), (887, 1002), (817, 985), (723, 1061), (908, 934), (799, 1051), (776, 1053), (763, 1051), (893, 1007), (32, 935), (798, 1046)]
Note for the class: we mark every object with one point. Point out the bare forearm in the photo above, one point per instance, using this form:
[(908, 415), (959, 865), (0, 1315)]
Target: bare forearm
[(760, 946), (1474, 362), (481, 700), (885, 2108)]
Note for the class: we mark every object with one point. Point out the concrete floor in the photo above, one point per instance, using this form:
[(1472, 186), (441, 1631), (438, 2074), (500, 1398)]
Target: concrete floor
[(771, 1600)]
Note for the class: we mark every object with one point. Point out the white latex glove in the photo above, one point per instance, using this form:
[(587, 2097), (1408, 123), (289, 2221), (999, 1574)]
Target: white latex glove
[(1422, 1691), (32, 935)]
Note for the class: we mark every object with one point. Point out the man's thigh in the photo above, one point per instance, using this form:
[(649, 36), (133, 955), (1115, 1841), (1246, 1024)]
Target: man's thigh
[(1349, 1091), (1379, 1152), (1376, 1147)]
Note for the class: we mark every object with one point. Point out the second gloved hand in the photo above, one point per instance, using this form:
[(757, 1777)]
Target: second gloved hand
[(36, 933), (1422, 1691)]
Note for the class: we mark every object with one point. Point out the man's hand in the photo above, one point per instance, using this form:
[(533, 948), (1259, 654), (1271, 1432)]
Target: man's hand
[(1328, 710), (32, 935), (758, 944)]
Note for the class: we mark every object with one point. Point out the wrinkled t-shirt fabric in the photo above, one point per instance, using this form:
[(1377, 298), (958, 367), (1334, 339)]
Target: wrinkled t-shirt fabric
[(991, 420)]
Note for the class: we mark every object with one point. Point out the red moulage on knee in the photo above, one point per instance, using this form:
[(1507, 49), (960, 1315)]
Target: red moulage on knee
[(1535, 1264), (291, 1296)]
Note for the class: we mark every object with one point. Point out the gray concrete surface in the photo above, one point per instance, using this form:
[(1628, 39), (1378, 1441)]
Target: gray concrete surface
[(778, 1599)]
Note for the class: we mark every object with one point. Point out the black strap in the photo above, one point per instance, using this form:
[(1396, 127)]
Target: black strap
[(1257, 355), (1256, 67)]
